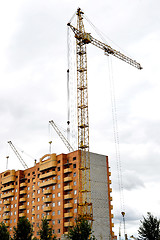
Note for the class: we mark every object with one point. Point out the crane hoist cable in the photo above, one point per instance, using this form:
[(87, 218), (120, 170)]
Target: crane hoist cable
[(116, 132), (68, 90), (71, 90), (102, 35), (117, 142), (120, 231)]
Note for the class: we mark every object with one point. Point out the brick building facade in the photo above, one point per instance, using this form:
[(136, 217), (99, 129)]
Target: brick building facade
[(50, 189)]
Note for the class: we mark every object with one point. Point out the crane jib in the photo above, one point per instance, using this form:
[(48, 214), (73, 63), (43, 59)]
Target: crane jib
[(87, 38)]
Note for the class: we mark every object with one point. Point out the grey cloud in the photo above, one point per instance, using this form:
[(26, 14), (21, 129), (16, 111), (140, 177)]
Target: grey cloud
[(131, 181), (38, 37), (130, 215)]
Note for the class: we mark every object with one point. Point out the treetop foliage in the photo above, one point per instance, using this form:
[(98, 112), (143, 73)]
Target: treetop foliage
[(23, 230), (149, 228), (46, 231), (4, 234), (81, 231)]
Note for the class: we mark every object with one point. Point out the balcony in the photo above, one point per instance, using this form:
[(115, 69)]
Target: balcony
[(23, 199), (33, 212), (34, 181), (22, 215), (68, 224), (48, 161), (32, 220), (68, 205), (7, 224), (6, 202), (48, 183), (7, 188), (67, 170), (33, 188), (22, 192), (8, 176), (47, 209), (33, 204), (68, 188), (23, 184), (33, 196), (49, 217), (22, 207), (10, 194), (68, 215), (49, 174), (6, 209), (110, 189), (47, 191), (67, 179), (47, 200), (6, 217), (68, 196)]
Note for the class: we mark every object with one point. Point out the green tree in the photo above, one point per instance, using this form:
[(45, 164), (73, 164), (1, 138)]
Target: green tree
[(46, 231), (149, 228), (81, 231), (4, 234), (23, 230)]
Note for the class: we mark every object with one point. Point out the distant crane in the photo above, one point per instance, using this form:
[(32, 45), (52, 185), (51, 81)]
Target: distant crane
[(133, 237), (65, 141), (7, 162), (18, 155), (82, 39)]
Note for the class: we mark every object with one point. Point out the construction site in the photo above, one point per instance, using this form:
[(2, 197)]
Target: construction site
[(63, 187)]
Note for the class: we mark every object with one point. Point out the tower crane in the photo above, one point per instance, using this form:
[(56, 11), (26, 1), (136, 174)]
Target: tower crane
[(66, 142), (82, 39), (18, 155)]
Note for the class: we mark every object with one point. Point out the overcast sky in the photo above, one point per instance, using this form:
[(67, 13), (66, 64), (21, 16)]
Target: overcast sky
[(33, 90)]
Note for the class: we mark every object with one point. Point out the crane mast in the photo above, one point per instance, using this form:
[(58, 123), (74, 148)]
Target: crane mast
[(18, 155), (84, 205), (83, 38)]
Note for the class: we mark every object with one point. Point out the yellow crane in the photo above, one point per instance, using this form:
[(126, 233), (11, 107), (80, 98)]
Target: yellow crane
[(82, 39)]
